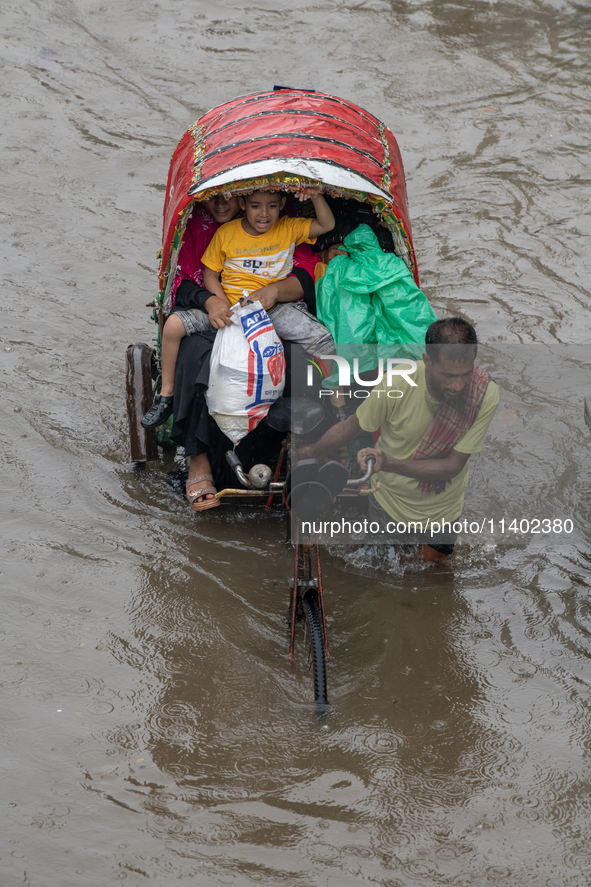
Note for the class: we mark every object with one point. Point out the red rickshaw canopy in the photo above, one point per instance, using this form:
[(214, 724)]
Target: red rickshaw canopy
[(287, 138)]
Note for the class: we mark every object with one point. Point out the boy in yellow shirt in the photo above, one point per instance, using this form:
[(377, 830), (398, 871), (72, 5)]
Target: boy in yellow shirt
[(252, 254)]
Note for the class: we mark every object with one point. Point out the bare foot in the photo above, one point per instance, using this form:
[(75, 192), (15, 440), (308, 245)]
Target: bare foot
[(431, 554)]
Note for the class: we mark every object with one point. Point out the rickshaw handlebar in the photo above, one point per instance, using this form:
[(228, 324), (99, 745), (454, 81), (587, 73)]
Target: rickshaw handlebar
[(236, 465), (354, 484)]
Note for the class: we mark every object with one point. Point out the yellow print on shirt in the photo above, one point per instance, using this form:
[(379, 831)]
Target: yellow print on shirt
[(257, 250)]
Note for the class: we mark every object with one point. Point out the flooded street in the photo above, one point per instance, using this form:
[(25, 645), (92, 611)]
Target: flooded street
[(151, 728)]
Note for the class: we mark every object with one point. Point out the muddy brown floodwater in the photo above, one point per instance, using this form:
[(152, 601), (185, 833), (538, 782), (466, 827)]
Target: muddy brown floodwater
[(152, 731)]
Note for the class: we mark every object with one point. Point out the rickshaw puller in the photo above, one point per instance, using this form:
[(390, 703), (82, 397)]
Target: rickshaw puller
[(426, 438)]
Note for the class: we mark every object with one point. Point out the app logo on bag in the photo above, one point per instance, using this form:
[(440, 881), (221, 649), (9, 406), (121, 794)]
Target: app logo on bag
[(256, 323)]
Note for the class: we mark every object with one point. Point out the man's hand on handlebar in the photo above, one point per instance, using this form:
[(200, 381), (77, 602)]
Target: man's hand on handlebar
[(219, 312), (370, 451)]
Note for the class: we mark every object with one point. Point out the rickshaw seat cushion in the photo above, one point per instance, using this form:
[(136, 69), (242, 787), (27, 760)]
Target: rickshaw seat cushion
[(303, 472), (312, 491), (333, 475), (310, 501)]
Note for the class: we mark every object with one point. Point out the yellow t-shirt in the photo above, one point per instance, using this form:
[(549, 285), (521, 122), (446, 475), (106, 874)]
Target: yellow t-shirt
[(250, 262), (404, 421)]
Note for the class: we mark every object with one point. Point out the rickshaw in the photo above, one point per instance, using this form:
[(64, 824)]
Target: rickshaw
[(288, 139)]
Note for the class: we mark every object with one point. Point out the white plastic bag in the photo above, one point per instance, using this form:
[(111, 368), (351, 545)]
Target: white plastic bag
[(247, 371)]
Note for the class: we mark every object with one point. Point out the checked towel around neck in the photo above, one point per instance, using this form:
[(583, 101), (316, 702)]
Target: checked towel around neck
[(449, 426)]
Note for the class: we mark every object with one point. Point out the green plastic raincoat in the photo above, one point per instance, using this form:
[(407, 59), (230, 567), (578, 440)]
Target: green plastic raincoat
[(370, 298)]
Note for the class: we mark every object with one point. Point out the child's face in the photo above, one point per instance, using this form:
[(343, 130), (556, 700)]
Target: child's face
[(262, 209), (223, 209)]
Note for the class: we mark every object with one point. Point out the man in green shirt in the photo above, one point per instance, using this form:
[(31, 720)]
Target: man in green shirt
[(427, 434)]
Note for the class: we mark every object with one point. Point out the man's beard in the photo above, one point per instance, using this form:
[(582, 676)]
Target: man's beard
[(457, 401)]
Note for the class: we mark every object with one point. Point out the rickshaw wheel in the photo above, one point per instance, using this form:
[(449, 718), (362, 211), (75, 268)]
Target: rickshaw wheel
[(314, 624), (139, 362)]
